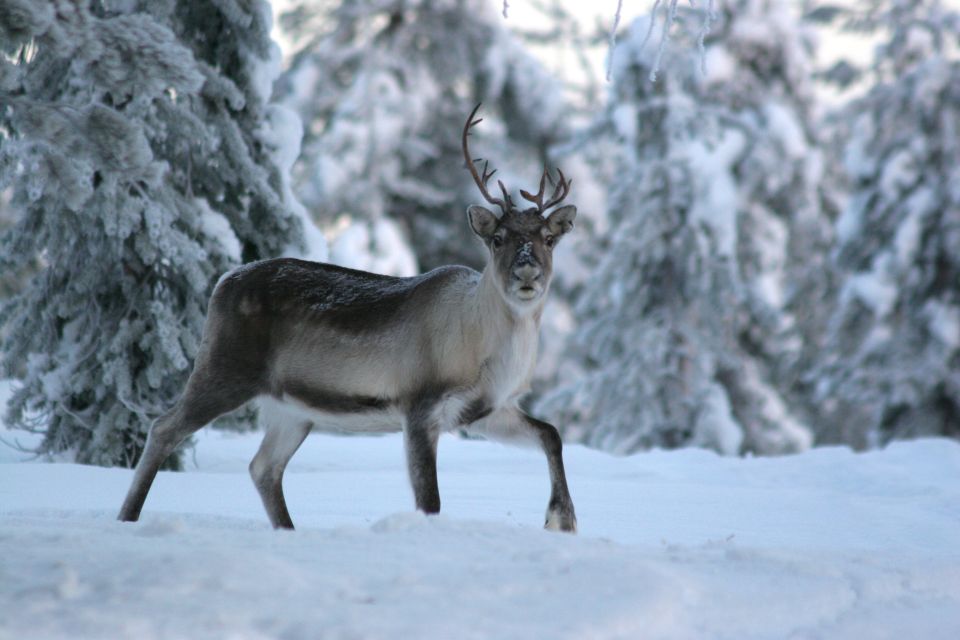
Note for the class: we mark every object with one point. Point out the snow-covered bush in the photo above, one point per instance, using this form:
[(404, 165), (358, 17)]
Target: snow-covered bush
[(689, 324), (890, 362), (144, 161)]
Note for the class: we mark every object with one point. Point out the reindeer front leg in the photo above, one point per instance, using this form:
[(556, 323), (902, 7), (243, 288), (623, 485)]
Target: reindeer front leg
[(560, 513), (515, 426), (420, 435)]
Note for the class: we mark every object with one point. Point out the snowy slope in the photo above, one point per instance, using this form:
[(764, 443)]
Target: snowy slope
[(827, 544)]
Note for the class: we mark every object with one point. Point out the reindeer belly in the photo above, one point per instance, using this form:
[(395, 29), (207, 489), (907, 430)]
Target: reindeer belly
[(343, 418)]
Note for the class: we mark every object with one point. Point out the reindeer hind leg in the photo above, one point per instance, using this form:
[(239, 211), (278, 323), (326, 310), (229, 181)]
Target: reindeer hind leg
[(283, 438), (205, 398)]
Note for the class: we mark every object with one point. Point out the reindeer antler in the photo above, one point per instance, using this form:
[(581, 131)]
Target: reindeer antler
[(560, 191), (481, 179)]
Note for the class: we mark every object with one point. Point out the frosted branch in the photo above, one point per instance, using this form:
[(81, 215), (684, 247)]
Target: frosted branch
[(653, 21), (671, 17), (16, 446), (613, 37), (506, 8), (709, 16)]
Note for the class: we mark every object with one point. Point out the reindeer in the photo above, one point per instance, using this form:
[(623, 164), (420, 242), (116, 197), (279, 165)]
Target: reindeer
[(334, 349)]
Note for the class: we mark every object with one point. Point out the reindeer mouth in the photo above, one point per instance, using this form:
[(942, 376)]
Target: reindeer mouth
[(526, 292)]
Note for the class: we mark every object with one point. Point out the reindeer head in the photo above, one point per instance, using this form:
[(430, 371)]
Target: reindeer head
[(520, 242)]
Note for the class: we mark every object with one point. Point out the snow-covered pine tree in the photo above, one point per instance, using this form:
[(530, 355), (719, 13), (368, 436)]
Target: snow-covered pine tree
[(889, 366), (384, 87), (143, 161), (688, 326)]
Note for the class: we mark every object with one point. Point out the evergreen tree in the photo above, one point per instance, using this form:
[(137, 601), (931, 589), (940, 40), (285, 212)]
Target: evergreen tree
[(689, 327), (144, 161), (889, 366), (384, 87)]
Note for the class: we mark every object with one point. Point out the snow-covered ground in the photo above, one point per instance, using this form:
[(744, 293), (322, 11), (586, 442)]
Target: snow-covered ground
[(686, 544)]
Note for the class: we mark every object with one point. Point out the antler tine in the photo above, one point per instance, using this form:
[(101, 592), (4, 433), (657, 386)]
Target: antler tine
[(506, 196), (536, 199), (561, 185), (560, 192), (487, 176), (481, 180)]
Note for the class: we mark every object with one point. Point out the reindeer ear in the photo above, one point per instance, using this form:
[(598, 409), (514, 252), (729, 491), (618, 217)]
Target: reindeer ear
[(482, 221), (561, 220)]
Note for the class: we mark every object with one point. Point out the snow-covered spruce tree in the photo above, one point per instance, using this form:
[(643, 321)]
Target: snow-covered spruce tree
[(688, 327), (890, 363), (144, 162), (384, 88)]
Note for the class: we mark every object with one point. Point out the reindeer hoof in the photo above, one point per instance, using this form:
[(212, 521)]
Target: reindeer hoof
[(561, 520)]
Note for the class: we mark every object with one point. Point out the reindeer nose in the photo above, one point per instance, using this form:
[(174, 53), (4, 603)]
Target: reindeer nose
[(527, 272)]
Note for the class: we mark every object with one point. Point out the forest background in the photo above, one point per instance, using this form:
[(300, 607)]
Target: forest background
[(768, 249)]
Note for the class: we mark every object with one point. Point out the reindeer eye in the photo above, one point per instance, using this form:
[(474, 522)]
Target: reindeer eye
[(550, 241), (497, 242)]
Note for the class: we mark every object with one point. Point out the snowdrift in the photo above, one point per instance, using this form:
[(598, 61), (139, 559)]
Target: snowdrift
[(685, 544)]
